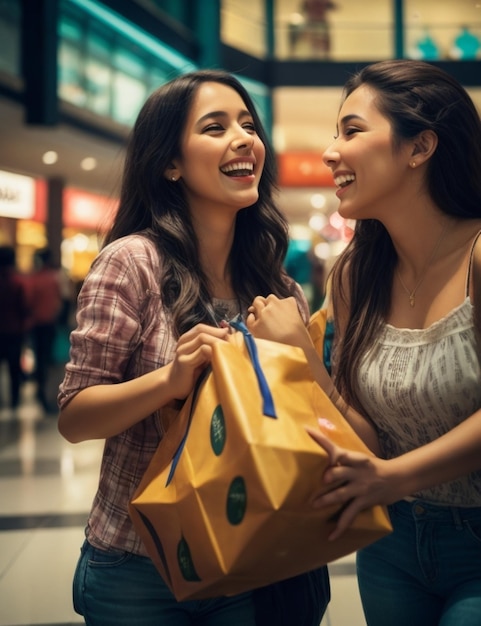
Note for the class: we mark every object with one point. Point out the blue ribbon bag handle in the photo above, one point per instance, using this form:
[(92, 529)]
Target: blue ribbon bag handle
[(178, 452), (268, 408), (267, 401)]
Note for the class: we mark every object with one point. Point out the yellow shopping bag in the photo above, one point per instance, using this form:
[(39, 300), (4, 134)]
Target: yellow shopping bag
[(224, 505)]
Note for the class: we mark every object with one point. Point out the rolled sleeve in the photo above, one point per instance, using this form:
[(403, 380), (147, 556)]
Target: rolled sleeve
[(112, 328)]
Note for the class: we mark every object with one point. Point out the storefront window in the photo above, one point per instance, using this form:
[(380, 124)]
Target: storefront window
[(337, 30), (442, 30), (109, 71), (98, 73), (71, 76), (129, 95), (10, 37), (79, 249), (98, 80), (70, 62)]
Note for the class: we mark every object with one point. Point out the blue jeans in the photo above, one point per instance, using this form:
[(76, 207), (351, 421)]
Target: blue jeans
[(121, 589), (427, 572)]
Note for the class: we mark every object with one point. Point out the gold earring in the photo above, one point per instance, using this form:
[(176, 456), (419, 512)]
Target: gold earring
[(413, 164)]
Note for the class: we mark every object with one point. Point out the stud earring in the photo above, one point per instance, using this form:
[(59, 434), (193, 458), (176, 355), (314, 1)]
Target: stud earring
[(413, 163), (173, 179)]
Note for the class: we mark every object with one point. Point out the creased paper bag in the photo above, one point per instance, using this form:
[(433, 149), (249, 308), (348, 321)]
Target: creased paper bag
[(224, 505)]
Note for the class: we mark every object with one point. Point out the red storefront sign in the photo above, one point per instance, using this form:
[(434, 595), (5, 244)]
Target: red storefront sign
[(303, 169), (82, 209)]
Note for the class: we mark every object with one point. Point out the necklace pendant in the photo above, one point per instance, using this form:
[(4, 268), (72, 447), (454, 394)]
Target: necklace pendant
[(411, 300)]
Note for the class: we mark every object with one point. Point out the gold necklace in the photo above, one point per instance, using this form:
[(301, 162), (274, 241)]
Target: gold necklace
[(412, 294)]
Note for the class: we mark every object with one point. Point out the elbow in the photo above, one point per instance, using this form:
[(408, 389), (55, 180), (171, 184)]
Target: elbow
[(65, 432), (67, 429), (69, 421)]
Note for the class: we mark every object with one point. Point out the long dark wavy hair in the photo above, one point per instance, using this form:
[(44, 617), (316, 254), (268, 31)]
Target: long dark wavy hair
[(157, 208), (414, 96)]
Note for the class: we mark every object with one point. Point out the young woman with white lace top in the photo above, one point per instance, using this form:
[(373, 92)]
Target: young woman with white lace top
[(407, 350)]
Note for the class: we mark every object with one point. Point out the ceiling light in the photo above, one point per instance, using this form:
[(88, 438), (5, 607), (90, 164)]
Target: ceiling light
[(317, 221), (50, 157), (299, 232), (318, 201), (322, 250), (88, 164), (336, 220)]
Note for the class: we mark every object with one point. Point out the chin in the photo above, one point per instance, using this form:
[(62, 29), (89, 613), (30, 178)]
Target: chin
[(352, 213), (248, 201), (346, 214)]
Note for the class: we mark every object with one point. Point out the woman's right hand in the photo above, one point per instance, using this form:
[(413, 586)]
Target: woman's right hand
[(193, 353), (102, 411), (355, 481)]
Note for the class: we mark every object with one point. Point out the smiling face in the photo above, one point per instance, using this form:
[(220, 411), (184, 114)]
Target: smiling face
[(370, 171), (222, 155)]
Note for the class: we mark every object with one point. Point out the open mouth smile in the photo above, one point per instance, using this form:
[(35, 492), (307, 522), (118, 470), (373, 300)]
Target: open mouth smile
[(344, 180), (238, 169)]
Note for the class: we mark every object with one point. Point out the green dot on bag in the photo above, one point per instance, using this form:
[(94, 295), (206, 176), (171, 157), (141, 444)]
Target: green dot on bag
[(236, 501), (185, 561), (217, 430)]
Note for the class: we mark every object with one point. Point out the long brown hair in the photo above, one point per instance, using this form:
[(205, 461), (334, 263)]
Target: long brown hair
[(153, 206), (414, 96)]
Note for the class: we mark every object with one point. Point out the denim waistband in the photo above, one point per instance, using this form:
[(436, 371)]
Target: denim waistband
[(422, 510)]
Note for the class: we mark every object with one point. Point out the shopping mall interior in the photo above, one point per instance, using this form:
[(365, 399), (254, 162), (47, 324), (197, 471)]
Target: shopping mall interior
[(73, 75)]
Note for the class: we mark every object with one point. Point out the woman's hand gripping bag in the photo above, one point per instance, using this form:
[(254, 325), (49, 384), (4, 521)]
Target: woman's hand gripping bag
[(224, 506)]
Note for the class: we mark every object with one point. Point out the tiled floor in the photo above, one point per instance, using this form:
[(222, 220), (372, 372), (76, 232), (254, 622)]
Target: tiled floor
[(46, 486)]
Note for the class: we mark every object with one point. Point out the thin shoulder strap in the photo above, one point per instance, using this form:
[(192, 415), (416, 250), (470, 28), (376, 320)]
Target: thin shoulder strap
[(474, 280)]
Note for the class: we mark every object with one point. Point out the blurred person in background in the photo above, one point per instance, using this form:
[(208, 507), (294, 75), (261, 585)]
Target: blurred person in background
[(66, 318), (318, 281), (14, 313), (46, 300)]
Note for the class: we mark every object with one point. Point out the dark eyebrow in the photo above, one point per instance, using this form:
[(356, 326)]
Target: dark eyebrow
[(243, 113), (348, 118), (211, 114)]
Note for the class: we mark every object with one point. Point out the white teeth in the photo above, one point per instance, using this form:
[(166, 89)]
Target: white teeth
[(232, 167), (345, 178)]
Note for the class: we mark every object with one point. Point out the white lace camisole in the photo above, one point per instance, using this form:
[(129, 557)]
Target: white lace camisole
[(418, 384)]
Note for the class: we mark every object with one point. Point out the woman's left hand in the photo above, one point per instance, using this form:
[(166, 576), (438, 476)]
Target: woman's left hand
[(277, 319), (362, 481)]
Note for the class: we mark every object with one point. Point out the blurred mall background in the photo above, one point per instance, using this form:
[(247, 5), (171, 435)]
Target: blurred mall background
[(74, 73), (73, 76)]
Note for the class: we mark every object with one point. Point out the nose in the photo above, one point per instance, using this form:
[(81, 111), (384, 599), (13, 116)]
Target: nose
[(242, 140), (330, 155)]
